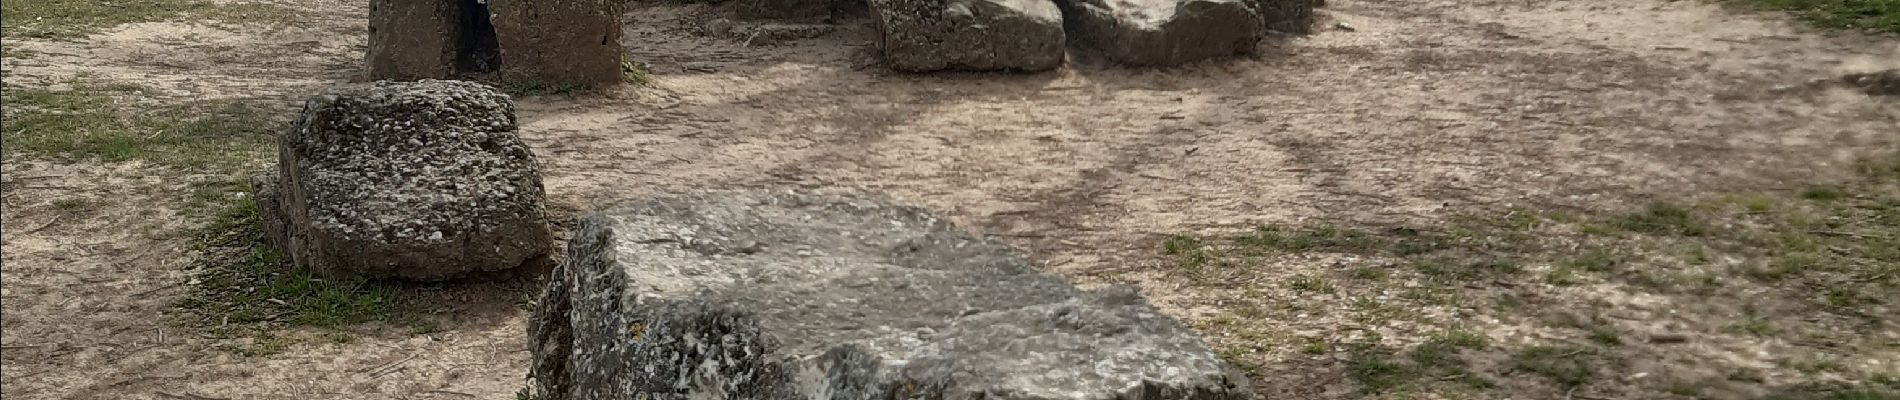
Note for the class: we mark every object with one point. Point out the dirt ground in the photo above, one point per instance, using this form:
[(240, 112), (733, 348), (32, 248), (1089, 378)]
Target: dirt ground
[(1409, 110)]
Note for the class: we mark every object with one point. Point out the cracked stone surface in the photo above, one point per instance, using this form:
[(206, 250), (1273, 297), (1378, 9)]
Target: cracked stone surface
[(806, 295), (976, 35), (421, 180), (1165, 32)]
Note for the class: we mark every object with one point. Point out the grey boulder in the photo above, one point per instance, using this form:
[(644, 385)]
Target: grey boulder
[(976, 35), (1165, 32), (422, 180), (813, 296)]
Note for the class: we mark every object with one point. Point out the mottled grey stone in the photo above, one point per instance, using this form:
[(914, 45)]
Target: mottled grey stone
[(422, 180), (1164, 32), (977, 35), (811, 296), (1288, 16)]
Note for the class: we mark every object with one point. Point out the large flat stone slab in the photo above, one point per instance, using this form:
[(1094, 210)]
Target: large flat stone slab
[(1164, 32), (795, 295), (975, 35)]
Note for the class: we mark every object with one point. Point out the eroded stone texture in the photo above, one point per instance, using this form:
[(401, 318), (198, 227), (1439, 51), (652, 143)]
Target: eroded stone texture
[(413, 39), (793, 295), (929, 35), (796, 10), (1288, 16), (559, 43), (1164, 32), (422, 180)]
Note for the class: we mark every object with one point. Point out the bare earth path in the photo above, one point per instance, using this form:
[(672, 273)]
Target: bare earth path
[(1422, 109)]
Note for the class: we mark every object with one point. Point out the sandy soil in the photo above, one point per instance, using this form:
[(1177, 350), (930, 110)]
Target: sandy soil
[(1398, 110)]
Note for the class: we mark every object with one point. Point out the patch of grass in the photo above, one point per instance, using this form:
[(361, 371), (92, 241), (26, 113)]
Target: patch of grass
[(1599, 260), (65, 19), (18, 54), (1567, 367), (1318, 238), (1834, 391), (635, 73), (1371, 273), (1317, 347), (1310, 284), (105, 123), (245, 282), (1873, 15), (1604, 335), (1446, 270), (1756, 204), (1662, 219), (1377, 368), (1561, 276), (1833, 247), (424, 326), (1811, 365), (1823, 193), (1191, 252), (1754, 325), (70, 204), (1380, 369)]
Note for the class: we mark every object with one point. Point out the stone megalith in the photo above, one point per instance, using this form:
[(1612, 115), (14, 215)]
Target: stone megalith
[(1288, 16), (550, 43), (420, 180), (977, 35), (411, 39), (560, 42), (1164, 32), (814, 296)]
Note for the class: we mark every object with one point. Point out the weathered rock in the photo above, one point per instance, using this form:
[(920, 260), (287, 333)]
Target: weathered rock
[(929, 35), (782, 296), (414, 39), (547, 43), (1164, 32), (797, 10), (574, 43), (422, 180), (1288, 16)]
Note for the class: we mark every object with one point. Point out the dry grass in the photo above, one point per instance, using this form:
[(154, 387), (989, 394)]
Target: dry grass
[(1528, 302)]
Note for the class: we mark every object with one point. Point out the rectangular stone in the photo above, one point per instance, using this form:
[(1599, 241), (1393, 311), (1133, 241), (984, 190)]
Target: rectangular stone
[(798, 295)]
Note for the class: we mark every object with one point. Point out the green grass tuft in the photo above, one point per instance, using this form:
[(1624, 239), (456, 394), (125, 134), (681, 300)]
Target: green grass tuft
[(106, 123), (1873, 15), (1567, 367), (66, 19), (245, 282), (1662, 219)]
